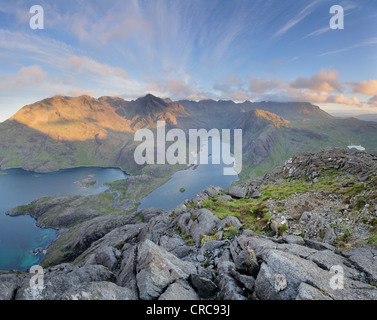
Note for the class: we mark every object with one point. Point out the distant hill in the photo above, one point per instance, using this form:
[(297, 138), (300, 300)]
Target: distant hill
[(367, 117), (289, 110), (63, 132)]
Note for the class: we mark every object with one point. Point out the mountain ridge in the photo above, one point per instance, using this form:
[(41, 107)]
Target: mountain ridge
[(85, 131)]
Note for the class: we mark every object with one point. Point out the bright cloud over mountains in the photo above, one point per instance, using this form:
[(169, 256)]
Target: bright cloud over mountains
[(196, 49)]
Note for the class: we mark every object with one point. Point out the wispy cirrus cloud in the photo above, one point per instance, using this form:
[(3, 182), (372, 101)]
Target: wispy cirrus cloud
[(188, 49), (317, 32), (52, 67), (365, 43), (297, 18)]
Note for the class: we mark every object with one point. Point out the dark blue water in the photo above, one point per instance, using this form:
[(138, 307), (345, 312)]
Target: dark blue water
[(168, 196), (19, 235), (193, 180)]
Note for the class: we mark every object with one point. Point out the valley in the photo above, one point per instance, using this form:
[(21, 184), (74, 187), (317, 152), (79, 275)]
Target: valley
[(278, 198), (84, 131)]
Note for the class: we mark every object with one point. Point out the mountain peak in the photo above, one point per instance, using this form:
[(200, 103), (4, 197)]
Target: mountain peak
[(150, 98)]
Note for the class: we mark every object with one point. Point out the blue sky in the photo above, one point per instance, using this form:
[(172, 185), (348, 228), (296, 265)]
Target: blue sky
[(191, 49)]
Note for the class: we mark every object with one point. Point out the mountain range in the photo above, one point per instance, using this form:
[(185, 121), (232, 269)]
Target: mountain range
[(63, 132)]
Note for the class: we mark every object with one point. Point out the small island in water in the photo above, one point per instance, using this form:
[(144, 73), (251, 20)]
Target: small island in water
[(87, 182)]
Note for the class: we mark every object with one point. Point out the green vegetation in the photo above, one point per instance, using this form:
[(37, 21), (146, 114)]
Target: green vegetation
[(91, 183), (70, 215), (24, 209), (182, 190), (254, 214), (303, 136), (205, 238), (186, 236), (251, 212), (282, 229), (344, 240), (372, 240), (138, 187), (229, 232), (190, 242)]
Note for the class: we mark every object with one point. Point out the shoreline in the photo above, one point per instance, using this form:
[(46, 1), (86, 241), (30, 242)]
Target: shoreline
[(3, 170), (59, 231)]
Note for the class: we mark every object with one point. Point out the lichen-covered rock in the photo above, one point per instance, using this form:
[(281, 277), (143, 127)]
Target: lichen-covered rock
[(103, 290), (58, 280), (204, 224), (246, 262), (237, 192), (212, 191), (307, 292), (229, 221), (9, 284), (365, 258), (296, 271), (204, 286), (157, 269), (179, 290)]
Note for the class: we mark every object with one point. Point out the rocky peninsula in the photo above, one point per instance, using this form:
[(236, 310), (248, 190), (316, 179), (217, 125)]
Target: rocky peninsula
[(273, 237)]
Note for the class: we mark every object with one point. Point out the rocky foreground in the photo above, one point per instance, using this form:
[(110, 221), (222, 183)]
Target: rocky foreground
[(305, 231)]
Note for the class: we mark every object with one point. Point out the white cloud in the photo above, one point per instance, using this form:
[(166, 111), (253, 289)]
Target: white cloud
[(341, 99), (373, 100), (261, 85), (366, 87), (298, 18), (365, 43), (26, 77), (317, 32), (175, 89), (321, 81)]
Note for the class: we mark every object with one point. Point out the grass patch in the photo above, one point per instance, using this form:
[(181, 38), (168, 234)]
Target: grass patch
[(282, 229), (23, 209), (279, 192), (252, 213), (230, 232), (205, 238), (344, 240), (372, 240)]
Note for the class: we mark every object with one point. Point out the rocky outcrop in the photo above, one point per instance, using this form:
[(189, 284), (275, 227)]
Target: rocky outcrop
[(190, 253), (247, 266), (156, 269), (62, 279), (308, 165), (103, 290)]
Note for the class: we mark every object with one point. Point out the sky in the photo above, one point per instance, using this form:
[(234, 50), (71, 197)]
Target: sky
[(190, 49)]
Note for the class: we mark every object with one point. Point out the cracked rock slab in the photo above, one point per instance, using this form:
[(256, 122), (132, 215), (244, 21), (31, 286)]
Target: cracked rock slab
[(157, 269)]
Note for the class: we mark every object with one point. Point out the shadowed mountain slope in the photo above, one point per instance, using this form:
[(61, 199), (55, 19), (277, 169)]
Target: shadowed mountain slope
[(63, 132)]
